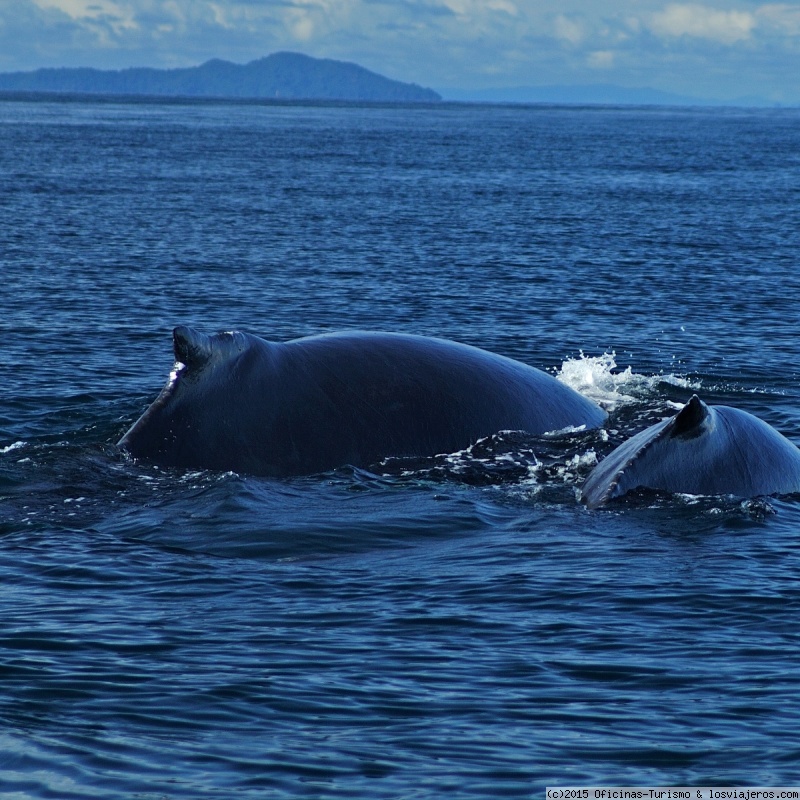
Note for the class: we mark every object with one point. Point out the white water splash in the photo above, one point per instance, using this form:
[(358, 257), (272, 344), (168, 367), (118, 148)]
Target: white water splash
[(569, 470), (596, 377), (15, 446)]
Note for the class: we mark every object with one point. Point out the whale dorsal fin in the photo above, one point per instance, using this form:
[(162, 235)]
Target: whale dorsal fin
[(191, 347), (689, 420)]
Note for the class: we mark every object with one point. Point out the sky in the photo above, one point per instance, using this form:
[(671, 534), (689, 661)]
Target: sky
[(719, 50)]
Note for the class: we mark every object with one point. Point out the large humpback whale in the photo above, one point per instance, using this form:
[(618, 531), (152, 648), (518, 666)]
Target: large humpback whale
[(238, 402), (705, 450)]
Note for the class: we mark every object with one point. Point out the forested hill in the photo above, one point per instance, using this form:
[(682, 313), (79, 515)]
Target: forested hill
[(280, 75)]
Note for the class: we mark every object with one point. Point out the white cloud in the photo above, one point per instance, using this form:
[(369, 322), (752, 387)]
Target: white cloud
[(503, 5), (569, 29), (118, 17), (779, 18), (301, 25), (679, 19), (600, 59), (220, 16)]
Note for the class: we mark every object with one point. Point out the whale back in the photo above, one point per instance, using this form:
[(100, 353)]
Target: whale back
[(238, 402), (702, 450)]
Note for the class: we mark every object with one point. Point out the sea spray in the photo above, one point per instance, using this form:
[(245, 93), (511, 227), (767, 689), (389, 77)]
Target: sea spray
[(597, 378)]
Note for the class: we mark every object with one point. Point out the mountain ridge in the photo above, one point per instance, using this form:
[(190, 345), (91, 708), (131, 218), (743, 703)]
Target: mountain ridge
[(283, 75)]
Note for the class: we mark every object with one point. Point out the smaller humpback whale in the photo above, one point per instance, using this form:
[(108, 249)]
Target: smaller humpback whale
[(704, 450), (238, 402)]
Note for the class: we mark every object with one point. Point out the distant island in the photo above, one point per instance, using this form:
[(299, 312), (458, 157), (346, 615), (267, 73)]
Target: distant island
[(290, 76)]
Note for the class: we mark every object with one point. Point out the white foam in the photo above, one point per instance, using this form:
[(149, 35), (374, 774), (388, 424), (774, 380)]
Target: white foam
[(587, 459), (569, 470), (15, 446), (597, 378), (566, 431)]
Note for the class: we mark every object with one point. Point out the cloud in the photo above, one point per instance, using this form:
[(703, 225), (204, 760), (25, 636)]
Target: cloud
[(780, 19), (477, 9), (105, 18), (702, 22), (90, 10), (600, 59), (569, 29)]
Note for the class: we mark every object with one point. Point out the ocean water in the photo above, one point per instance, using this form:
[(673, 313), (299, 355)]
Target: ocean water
[(461, 626)]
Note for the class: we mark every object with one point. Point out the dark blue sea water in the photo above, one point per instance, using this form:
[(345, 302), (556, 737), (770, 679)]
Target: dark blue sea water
[(463, 628)]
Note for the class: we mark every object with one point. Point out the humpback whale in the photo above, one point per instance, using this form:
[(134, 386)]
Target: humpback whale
[(704, 450), (237, 402)]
